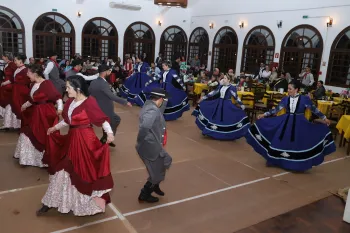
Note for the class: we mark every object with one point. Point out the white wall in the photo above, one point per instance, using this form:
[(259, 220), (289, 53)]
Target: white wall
[(199, 13), (267, 13), (150, 14)]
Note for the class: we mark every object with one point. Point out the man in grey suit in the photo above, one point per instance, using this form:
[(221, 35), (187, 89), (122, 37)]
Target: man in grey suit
[(52, 73), (150, 141), (100, 89)]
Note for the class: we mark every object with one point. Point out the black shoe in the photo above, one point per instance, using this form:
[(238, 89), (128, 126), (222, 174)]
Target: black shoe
[(111, 144), (145, 197), (158, 191), (146, 193), (42, 210), (4, 129)]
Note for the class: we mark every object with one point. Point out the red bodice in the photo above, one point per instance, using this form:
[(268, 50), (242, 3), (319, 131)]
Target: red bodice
[(46, 92), (9, 70), (87, 113), (22, 78)]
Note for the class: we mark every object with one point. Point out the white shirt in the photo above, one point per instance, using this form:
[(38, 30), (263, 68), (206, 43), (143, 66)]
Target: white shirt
[(164, 75), (48, 69), (223, 91), (106, 126), (88, 78), (293, 104), (139, 67)]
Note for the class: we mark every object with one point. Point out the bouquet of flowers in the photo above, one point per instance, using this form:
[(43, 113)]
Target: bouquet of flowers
[(345, 93), (329, 93)]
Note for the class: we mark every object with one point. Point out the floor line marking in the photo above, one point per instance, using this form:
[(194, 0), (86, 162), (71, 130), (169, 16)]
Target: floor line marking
[(192, 140), (125, 222), (211, 174), (194, 197), (324, 163), (143, 168), (86, 225), (10, 143), (22, 189)]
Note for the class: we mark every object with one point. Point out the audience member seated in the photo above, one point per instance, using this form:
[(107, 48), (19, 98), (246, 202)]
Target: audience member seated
[(282, 82), (320, 91)]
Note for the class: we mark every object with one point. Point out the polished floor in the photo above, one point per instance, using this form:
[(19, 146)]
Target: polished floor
[(323, 216), (212, 187)]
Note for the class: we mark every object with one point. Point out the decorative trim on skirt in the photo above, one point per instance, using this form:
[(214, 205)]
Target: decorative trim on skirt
[(10, 119), (64, 196), (27, 154)]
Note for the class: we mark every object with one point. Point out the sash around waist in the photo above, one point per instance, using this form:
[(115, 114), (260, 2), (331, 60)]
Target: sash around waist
[(80, 126), (43, 102)]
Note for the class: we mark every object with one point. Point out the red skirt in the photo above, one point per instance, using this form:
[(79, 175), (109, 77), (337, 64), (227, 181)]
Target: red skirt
[(20, 95), (5, 95), (84, 157), (37, 119)]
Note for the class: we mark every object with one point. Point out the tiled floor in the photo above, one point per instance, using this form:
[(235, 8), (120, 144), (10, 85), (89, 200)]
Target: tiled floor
[(213, 186)]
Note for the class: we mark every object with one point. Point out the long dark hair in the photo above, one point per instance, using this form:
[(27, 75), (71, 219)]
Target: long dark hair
[(296, 84), (79, 84), (21, 57), (37, 69)]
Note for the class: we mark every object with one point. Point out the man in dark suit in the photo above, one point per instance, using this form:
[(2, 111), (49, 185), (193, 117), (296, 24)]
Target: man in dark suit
[(282, 82), (102, 92)]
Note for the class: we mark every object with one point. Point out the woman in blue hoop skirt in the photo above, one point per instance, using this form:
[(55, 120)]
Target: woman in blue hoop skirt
[(218, 117), (137, 81), (172, 83), (290, 141)]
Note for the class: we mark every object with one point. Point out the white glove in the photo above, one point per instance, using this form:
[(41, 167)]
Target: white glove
[(242, 107)]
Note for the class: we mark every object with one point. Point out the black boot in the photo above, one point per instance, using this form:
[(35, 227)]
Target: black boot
[(146, 194), (42, 210), (158, 191)]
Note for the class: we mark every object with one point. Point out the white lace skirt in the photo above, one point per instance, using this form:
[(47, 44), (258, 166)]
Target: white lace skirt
[(61, 194), (10, 119), (27, 154), (2, 111)]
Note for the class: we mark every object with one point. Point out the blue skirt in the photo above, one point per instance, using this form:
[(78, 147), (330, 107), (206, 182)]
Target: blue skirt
[(291, 142), (177, 103), (221, 119), (141, 98), (134, 85)]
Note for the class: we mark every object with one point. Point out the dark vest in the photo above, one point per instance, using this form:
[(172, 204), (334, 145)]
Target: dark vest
[(54, 77)]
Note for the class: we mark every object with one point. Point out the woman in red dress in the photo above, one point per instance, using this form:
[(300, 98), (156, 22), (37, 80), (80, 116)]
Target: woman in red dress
[(41, 110), (81, 180), (6, 86), (19, 95), (20, 89)]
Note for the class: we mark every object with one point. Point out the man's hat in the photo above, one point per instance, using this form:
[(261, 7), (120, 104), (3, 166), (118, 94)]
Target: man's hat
[(159, 92), (52, 53), (103, 68), (76, 62)]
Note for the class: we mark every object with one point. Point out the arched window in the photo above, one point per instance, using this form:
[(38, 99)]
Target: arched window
[(138, 39), (199, 45), (53, 32), (338, 73), (173, 42), (258, 47), (225, 50), (100, 39), (301, 47), (11, 32)]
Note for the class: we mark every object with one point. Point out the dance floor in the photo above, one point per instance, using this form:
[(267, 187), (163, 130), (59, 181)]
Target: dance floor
[(212, 186)]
